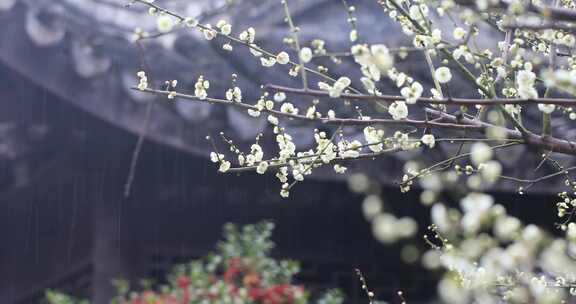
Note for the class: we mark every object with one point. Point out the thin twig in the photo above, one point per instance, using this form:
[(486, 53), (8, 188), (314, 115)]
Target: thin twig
[(365, 287), (143, 131)]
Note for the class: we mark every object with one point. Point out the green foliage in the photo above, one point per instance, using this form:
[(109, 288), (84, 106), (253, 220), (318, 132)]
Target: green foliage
[(56, 297)]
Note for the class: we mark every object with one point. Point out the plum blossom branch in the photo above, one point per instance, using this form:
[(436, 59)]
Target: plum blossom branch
[(193, 22), (429, 100), (543, 142), (324, 120), (295, 31), (276, 163)]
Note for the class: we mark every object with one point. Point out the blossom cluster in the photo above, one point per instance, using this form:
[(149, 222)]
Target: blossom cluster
[(514, 60)]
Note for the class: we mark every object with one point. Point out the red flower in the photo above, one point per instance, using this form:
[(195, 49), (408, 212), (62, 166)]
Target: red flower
[(256, 293), (235, 267), (182, 281), (230, 274)]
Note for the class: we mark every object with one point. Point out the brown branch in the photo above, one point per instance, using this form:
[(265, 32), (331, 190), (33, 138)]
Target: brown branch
[(540, 27), (455, 123), (542, 142), (427, 100), (325, 120)]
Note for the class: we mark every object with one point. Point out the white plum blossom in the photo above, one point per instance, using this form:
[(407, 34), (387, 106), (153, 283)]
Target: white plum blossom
[(398, 110), (349, 149), (436, 36), (311, 112), (215, 157), (480, 152), (398, 78), (200, 88), (373, 60), (459, 33), (227, 47), (248, 35), (273, 119), (331, 114), (267, 62), (440, 218), (224, 166), (143, 80), (491, 170), (283, 58), (412, 92), (326, 146), (164, 23), (374, 137), (353, 36), (525, 82), (463, 51), (208, 32), (286, 146), (340, 169), (371, 206), (339, 86), (306, 54), (386, 227), (253, 113), (288, 108), (282, 174), (507, 227), (429, 140), (418, 11), (297, 175), (402, 141), (381, 57), (525, 78), (407, 227), (234, 94), (257, 151), (262, 167), (279, 97), (546, 108), (358, 183), (476, 208), (335, 90), (443, 74), (224, 27), (285, 192), (436, 94), (369, 85)]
